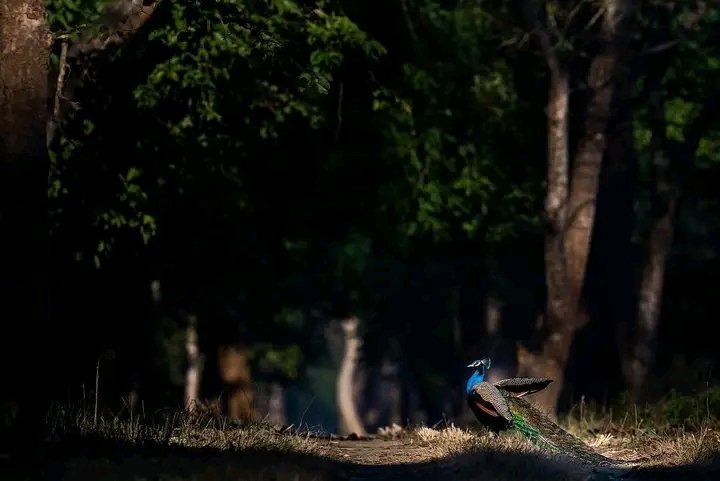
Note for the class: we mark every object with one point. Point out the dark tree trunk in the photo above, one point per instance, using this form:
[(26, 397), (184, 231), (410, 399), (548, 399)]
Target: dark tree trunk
[(236, 377), (550, 362), (611, 273), (556, 346), (24, 164)]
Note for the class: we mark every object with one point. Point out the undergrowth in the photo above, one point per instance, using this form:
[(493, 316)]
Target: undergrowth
[(673, 414)]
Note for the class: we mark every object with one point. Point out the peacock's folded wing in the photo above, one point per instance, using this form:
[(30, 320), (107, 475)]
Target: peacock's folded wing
[(522, 386), (488, 398)]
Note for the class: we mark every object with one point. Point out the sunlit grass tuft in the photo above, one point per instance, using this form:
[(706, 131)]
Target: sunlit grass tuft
[(453, 440), (444, 442)]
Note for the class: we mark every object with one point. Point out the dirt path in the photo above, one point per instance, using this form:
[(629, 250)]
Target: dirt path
[(380, 460), (377, 452), (404, 461)]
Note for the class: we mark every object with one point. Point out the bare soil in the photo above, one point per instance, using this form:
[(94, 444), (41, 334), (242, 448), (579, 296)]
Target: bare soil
[(377, 452)]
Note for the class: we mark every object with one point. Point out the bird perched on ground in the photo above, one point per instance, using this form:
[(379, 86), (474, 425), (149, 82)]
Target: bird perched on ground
[(500, 407), (488, 400)]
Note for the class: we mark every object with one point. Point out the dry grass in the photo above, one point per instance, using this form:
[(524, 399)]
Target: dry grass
[(647, 447), (177, 429), (478, 456), (449, 441), (665, 449), (452, 441)]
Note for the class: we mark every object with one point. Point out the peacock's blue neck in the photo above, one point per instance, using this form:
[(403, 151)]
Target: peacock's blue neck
[(475, 378)]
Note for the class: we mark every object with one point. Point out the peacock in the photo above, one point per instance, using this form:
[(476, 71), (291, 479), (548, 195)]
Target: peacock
[(500, 407)]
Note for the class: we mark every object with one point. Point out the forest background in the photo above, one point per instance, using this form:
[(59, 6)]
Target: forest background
[(233, 182)]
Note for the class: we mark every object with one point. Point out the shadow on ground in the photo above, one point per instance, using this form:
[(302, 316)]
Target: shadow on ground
[(107, 460)]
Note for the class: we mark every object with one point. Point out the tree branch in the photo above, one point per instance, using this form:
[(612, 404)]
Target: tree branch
[(532, 18), (53, 121), (122, 19), (693, 20)]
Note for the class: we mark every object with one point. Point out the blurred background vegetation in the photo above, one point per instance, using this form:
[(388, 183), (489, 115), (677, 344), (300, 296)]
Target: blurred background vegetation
[(258, 170)]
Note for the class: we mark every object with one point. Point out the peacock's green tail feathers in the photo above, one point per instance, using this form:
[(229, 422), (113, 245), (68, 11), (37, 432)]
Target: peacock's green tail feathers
[(545, 433), (527, 430)]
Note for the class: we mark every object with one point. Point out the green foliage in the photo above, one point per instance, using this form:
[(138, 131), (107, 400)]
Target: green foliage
[(297, 50), (283, 360), (685, 79), (450, 126), (74, 15), (678, 409), (331, 35), (675, 409)]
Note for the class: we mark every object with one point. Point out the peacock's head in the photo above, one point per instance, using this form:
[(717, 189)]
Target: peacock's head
[(478, 375), (483, 364)]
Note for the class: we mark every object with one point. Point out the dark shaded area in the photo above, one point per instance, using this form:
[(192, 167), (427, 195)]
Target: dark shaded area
[(101, 458)]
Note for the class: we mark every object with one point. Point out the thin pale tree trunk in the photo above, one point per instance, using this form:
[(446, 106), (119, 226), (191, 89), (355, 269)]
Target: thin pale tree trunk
[(276, 405), (193, 372), (350, 421), (550, 362)]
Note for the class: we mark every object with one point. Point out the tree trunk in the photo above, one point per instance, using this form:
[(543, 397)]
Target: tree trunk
[(236, 377), (24, 166), (276, 405), (666, 195), (610, 280), (651, 283), (349, 421), (571, 212), (193, 372), (392, 391), (553, 358)]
